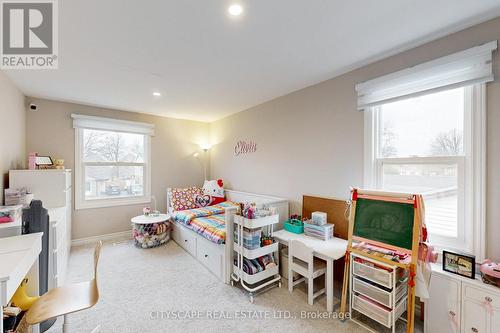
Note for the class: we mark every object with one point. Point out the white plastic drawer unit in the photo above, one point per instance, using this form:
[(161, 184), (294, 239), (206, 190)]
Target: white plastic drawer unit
[(377, 294), (377, 312), (378, 275)]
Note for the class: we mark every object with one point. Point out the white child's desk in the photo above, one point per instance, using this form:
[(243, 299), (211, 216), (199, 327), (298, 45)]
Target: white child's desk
[(329, 251), (18, 259)]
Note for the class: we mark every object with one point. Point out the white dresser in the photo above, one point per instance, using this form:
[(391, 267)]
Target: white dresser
[(53, 188), (459, 304)]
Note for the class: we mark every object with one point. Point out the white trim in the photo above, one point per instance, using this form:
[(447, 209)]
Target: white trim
[(479, 170), (121, 235), (468, 67), (114, 202), (370, 146), (110, 124)]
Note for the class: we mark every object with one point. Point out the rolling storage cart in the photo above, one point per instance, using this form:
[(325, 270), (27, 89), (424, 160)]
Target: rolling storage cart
[(378, 291), (243, 249)]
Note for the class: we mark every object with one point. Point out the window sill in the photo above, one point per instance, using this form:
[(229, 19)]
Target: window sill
[(103, 203)]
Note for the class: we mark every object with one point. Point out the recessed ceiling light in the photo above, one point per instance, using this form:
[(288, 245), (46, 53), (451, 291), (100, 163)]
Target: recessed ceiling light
[(235, 10), (157, 94)]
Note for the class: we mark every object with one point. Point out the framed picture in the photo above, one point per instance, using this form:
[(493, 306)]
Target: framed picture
[(43, 161), (459, 263)]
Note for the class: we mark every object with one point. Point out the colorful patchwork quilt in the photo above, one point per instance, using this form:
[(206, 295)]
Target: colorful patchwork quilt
[(209, 221)]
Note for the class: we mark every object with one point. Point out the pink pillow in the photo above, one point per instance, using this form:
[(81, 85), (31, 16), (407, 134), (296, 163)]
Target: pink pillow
[(184, 198)]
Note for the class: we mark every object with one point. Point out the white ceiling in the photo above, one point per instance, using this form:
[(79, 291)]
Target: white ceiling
[(207, 65)]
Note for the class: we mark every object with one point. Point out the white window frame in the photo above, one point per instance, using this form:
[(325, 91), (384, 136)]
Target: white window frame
[(121, 126), (472, 168)]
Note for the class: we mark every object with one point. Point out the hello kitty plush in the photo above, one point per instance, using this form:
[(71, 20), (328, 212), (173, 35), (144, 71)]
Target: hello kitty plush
[(215, 189)]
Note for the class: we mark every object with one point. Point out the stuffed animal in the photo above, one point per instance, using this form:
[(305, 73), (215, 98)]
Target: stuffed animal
[(59, 164), (215, 189)]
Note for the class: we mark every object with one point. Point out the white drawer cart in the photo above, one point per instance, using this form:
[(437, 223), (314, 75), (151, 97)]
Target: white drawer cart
[(461, 305), (376, 293), (255, 282)]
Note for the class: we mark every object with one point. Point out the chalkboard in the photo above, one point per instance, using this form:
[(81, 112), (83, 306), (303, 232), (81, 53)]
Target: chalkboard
[(384, 221)]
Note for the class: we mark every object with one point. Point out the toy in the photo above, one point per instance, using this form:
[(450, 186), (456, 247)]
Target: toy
[(249, 210), (266, 240), (59, 164), (426, 253), (215, 189), (21, 298), (490, 272), (32, 161)]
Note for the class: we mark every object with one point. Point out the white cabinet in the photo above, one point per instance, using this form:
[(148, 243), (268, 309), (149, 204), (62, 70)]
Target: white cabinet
[(474, 317), (458, 304), (53, 188), (443, 309), (50, 186), (495, 320)]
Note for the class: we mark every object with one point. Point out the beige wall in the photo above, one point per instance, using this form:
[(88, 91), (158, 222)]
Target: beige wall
[(311, 141), (12, 133), (50, 131)]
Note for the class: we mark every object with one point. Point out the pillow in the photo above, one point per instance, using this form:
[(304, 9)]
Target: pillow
[(202, 200), (183, 198), (215, 189)]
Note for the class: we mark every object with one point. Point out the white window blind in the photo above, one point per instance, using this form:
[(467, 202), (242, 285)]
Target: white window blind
[(109, 124), (468, 67)]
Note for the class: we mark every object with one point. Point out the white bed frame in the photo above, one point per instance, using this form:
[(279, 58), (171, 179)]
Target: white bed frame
[(218, 258)]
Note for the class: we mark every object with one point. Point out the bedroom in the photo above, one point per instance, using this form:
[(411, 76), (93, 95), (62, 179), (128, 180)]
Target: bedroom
[(270, 101)]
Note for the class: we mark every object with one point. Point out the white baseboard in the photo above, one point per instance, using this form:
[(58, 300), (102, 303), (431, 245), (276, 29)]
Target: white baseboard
[(122, 235)]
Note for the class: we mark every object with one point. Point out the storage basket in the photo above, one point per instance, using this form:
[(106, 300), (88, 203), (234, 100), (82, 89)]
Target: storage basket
[(295, 226)]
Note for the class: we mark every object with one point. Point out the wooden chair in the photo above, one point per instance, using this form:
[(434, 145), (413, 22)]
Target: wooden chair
[(63, 301), (302, 261)]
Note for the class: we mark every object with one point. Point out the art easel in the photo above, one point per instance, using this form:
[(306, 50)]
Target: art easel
[(412, 250)]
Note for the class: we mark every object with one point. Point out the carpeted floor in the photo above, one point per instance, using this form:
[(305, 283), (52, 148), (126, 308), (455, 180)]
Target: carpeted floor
[(166, 290)]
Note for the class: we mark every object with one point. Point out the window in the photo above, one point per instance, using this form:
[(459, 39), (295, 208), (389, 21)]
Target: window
[(425, 132), (112, 162), (423, 145)]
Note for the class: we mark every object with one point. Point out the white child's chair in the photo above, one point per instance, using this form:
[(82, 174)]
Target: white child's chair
[(302, 261)]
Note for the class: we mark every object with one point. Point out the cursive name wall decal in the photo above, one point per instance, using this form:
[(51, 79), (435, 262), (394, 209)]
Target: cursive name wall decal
[(244, 147)]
